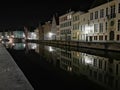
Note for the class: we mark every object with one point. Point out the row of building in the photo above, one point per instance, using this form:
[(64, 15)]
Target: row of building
[(101, 23)]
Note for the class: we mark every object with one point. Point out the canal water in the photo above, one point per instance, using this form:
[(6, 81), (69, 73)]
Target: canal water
[(62, 67)]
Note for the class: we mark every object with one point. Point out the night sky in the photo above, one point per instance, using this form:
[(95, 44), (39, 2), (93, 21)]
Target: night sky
[(30, 13)]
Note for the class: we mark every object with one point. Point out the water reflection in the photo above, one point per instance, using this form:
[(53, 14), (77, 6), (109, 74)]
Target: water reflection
[(100, 69), (20, 45)]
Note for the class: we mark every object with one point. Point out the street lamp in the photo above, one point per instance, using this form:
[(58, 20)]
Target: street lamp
[(52, 36)]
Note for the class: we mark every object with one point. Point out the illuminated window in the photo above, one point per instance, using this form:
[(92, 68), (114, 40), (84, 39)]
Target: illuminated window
[(83, 27), (69, 17)]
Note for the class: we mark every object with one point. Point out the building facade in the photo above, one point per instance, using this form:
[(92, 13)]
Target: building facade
[(47, 31), (65, 26), (58, 33), (104, 22), (100, 24)]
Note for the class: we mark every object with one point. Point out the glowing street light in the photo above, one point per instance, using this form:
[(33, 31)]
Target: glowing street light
[(50, 34)]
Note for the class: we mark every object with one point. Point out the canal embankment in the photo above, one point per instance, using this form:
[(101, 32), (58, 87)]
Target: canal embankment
[(11, 77), (110, 46)]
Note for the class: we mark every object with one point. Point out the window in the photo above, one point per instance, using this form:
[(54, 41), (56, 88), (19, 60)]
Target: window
[(95, 37), (118, 37), (91, 28), (106, 11), (95, 27), (70, 23), (101, 13), (113, 11), (105, 37), (106, 25), (118, 25), (100, 37), (91, 16), (100, 64), (105, 66), (73, 26), (68, 17), (101, 27), (95, 62), (119, 8), (83, 27), (73, 18), (96, 15), (117, 69)]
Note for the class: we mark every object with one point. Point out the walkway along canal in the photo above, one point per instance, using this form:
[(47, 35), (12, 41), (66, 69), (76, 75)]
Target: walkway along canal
[(11, 77)]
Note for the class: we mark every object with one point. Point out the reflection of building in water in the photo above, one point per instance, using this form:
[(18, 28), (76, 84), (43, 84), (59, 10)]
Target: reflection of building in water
[(65, 61), (40, 49), (32, 45), (51, 54), (101, 70), (19, 46), (98, 69)]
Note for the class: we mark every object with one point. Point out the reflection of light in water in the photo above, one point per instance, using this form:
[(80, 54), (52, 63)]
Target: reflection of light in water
[(24, 45), (19, 46), (13, 44), (8, 36), (88, 60), (33, 46), (69, 68), (23, 35), (78, 54), (32, 35), (12, 36), (50, 34), (51, 49), (10, 40)]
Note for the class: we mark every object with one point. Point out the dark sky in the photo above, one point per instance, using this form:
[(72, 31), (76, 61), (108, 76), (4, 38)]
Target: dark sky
[(20, 13)]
